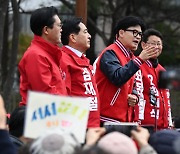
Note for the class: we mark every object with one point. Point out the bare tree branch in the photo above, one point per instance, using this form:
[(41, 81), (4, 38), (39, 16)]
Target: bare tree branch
[(68, 4), (14, 50)]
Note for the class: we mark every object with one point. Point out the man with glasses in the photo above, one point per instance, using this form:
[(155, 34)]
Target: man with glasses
[(154, 103), (39, 67), (115, 69)]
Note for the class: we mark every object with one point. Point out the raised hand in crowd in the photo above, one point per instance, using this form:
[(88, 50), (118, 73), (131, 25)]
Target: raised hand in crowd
[(141, 136), (6, 146), (2, 114), (93, 135)]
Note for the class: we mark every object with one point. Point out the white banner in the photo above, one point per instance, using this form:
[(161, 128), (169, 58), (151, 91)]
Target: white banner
[(46, 111)]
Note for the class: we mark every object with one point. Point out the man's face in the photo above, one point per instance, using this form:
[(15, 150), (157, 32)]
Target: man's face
[(130, 37), (156, 42), (54, 34), (82, 39)]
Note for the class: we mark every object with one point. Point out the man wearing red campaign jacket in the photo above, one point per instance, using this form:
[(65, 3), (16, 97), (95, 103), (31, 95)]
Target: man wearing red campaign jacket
[(115, 69), (154, 102), (39, 67), (80, 79)]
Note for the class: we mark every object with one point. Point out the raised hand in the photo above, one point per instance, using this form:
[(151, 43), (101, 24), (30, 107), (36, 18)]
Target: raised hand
[(141, 135), (93, 134), (149, 52), (2, 114)]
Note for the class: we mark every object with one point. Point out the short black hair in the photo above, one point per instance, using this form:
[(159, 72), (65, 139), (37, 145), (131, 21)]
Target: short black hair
[(70, 25), (127, 22), (16, 121), (150, 32), (42, 17)]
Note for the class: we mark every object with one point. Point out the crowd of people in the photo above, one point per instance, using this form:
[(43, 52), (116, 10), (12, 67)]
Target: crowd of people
[(120, 87)]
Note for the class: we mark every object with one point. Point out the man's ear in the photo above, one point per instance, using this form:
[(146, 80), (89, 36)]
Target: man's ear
[(45, 30), (121, 33), (72, 38)]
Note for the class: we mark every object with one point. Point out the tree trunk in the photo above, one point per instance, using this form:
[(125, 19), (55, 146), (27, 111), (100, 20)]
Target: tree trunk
[(13, 58), (81, 10), (3, 10), (5, 51)]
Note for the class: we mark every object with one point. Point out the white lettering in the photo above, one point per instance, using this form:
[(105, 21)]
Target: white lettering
[(93, 105), (153, 113), (89, 88), (140, 89), (86, 75)]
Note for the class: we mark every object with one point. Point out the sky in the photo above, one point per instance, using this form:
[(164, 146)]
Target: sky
[(29, 5)]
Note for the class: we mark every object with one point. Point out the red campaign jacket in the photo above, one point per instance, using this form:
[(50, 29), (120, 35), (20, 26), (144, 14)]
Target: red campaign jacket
[(113, 100), (39, 69), (80, 81), (147, 78)]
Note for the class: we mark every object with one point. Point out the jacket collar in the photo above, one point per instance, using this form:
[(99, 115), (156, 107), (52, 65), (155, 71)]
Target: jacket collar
[(79, 61), (53, 50), (153, 63), (77, 52)]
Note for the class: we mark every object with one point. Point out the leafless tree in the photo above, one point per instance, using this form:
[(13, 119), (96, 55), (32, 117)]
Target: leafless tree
[(3, 10), (10, 53)]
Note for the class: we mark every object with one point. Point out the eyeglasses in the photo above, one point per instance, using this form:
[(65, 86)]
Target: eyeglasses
[(59, 25), (154, 43), (135, 32)]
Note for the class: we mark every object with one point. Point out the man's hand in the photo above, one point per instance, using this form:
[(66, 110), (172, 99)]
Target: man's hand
[(132, 100), (148, 52), (141, 136), (2, 114), (93, 134)]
